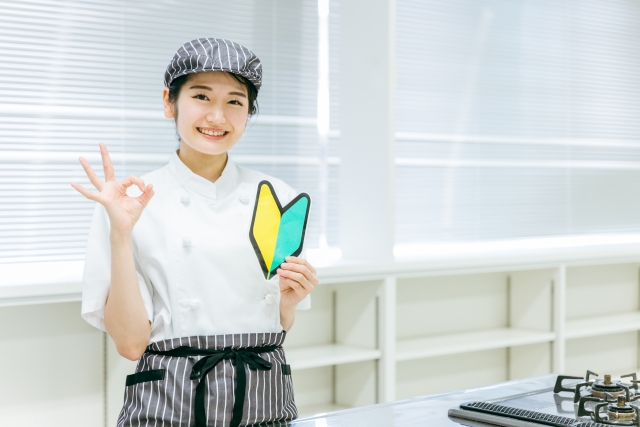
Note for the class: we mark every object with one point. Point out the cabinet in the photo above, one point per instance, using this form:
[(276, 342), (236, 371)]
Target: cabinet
[(375, 333), (451, 331)]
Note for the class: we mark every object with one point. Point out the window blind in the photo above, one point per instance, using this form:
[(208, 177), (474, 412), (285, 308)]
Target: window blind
[(517, 119), (75, 73)]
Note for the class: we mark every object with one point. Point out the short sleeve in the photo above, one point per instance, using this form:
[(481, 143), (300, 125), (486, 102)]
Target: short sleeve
[(97, 272)]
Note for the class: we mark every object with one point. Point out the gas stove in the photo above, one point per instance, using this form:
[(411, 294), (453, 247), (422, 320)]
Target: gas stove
[(586, 401)]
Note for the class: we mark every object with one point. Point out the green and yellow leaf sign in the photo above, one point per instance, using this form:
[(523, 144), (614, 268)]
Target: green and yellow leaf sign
[(277, 232)]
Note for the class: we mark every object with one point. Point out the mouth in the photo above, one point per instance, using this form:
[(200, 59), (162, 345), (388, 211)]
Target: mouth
[(213, 134)]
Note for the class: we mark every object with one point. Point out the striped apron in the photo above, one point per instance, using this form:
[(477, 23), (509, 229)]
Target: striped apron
[(218, 380)]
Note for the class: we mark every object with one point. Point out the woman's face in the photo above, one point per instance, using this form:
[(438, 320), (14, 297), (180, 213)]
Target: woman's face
[(212, 110)]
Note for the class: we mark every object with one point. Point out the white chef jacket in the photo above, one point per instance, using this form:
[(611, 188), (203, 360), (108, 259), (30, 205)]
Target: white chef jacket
[(197, 270)]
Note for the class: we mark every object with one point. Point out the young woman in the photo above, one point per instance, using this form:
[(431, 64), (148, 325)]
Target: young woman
[(170, 272)]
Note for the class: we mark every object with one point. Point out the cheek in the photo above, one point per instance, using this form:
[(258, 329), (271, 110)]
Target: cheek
[(238, 119), (188, 113)]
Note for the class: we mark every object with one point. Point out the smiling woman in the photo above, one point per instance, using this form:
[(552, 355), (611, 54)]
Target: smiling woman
[(248, 90), (213, 110), (190, 248)]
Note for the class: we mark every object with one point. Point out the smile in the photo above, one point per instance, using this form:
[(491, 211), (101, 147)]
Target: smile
[(211, 133)]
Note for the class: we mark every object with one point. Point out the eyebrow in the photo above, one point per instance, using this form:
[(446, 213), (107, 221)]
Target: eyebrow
[(208, 88)]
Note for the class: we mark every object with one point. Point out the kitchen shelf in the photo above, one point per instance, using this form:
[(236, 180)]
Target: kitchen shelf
[(444, 345), (602, 325), (357, 307), (328, 355)]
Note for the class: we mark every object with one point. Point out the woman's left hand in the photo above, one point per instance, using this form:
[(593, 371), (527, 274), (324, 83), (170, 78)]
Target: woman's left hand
[(297, 280)]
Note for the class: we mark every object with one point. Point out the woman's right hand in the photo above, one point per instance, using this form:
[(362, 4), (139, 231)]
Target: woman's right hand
[(124, 211)]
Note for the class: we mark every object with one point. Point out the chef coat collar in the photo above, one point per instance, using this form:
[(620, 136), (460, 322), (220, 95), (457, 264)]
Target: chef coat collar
[(224, 185)]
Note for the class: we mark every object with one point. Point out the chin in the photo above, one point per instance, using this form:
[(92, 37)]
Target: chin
[(210, 148), (212, 152)]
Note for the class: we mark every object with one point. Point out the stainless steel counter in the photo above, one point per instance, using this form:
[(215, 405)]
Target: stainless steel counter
[(425, 411)]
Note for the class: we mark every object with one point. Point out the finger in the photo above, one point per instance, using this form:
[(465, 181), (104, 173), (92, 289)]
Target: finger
[(286, 283), (95, 179), (300, 268), (295, 287), (297, 277), (305, 268), (86, 193), (146, 195), (301, 261), (109, 174), (132, 179)]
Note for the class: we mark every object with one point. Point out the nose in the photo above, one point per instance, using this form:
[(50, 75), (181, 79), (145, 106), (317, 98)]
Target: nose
[(216, 115)]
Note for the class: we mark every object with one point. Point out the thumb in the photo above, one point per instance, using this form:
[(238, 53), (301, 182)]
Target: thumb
[(146, 195)]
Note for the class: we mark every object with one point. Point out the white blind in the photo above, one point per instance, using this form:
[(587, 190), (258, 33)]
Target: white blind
[(517, 119), (74, 73)]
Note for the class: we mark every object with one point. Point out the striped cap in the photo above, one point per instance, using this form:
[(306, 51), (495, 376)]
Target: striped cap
[(211, 54)]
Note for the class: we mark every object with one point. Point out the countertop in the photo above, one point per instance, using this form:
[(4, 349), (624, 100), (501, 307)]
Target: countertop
[(424, 411)]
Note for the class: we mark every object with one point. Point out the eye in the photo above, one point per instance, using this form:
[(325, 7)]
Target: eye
[(201, 96), (235, 102)]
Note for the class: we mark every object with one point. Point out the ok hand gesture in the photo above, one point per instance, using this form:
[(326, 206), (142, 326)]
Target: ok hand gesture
[(124, 211)]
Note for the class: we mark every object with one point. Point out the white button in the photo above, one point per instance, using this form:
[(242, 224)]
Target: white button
[(185, 199), (269, 299), (244, 198), (186, 241), (194, 303)]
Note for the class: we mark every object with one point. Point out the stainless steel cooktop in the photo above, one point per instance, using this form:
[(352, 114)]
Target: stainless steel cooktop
[(586, 401)]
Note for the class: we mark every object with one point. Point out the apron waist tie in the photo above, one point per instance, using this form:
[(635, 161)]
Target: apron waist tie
[(239, 356)]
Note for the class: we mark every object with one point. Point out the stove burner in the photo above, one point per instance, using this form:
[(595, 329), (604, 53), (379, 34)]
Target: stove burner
[(619, 412), (600, 387), (597, 387)]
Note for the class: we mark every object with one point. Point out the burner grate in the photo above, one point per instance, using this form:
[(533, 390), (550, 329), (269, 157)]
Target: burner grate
[(530, 416)]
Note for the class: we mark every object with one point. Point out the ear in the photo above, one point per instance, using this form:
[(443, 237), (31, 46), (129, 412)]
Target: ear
[(168, 107)]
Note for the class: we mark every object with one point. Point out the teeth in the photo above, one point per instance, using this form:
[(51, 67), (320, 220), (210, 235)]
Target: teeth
[(209, 132)]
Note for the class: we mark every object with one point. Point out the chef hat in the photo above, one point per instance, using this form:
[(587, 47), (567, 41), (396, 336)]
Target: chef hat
[(211, 54)]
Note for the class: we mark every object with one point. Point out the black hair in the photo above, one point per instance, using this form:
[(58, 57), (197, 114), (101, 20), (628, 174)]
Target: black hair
[(252, 93)]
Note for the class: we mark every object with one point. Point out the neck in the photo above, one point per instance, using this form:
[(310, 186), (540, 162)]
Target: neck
[(208, 166)]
